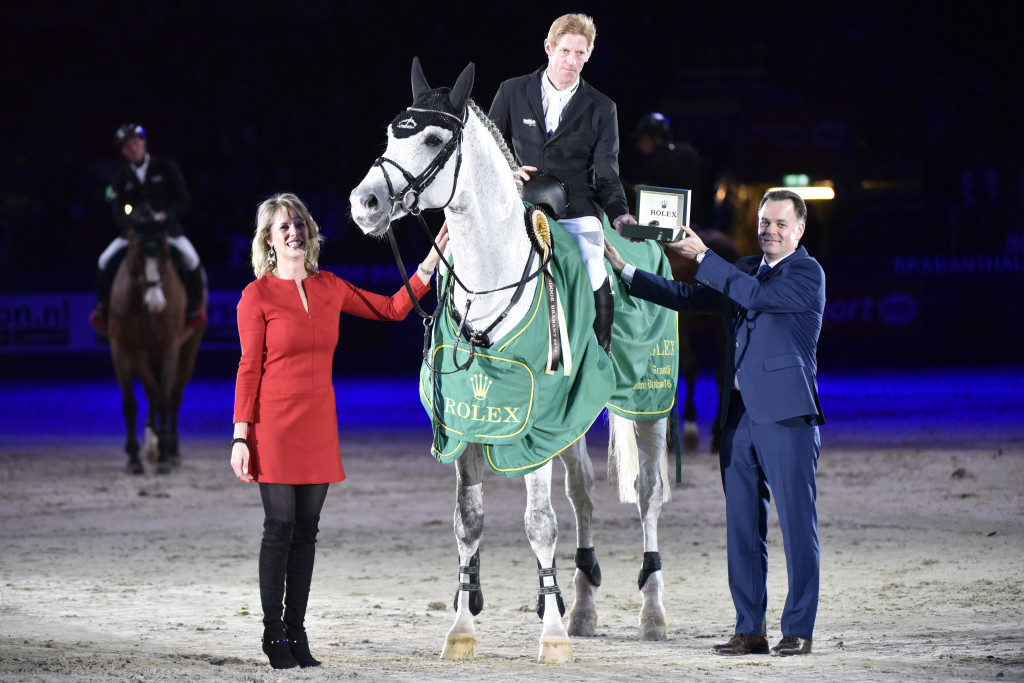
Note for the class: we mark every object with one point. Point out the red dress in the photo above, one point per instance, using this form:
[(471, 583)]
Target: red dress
[(283, 388)]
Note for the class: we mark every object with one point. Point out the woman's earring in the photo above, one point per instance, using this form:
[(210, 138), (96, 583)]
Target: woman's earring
[(272, 256)]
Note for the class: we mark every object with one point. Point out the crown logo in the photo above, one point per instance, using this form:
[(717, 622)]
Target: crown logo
[(480, 383), (664, 204)]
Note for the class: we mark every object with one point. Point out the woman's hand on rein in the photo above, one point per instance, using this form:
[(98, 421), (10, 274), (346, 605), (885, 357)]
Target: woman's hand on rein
[(434, 255)]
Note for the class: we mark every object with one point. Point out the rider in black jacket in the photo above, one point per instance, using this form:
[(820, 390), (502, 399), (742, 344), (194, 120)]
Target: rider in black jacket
[(152, 187), (559, 125)]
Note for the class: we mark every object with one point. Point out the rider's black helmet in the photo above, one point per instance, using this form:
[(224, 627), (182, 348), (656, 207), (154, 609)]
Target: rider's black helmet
[(126, 132), (547, 192), (655, 125)]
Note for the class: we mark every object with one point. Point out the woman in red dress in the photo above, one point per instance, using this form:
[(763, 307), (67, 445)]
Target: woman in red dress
[(286, 421)]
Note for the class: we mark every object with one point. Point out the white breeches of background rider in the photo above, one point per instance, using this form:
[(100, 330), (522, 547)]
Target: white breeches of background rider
[(189, 256), (589, 235)]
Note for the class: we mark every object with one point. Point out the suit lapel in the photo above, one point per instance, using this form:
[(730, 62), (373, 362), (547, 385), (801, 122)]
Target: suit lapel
[(533, 87)]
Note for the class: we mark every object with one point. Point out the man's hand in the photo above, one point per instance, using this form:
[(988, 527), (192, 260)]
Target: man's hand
[(689, 246), (614, 260), (525, 171), (623, 220)]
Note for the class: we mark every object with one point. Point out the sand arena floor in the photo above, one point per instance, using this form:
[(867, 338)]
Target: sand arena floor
[(109, 577)]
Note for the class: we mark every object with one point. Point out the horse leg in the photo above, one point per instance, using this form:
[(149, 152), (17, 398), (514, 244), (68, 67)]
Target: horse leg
[(651, 490), (151, 444), (129, 407), (460, 642), (185, 365), (689, 367), (542, 532), (579, 487), (165, 387)]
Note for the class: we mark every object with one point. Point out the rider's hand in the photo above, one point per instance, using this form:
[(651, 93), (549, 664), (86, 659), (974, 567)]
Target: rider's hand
[(525, 171)]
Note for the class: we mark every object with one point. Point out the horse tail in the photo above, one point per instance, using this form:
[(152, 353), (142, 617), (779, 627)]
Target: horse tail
[(624, 436)]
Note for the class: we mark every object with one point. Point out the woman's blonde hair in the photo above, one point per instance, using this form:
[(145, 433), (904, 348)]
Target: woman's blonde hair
[(261, 262)]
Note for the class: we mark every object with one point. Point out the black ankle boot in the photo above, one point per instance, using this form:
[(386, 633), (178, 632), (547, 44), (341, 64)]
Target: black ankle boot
[(276, 648), (298, 644), (604, 303)]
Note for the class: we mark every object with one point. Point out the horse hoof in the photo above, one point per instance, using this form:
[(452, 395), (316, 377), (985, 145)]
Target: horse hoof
[(554, 651), (653, 628), (582, 624), (458, 647), (133, 467), (164, 467)]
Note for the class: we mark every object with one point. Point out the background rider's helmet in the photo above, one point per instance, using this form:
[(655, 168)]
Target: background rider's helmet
[(126, 132), (547, 192), (655, 125)]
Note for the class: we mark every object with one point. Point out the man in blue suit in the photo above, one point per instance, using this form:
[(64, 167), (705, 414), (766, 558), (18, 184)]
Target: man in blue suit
[(773, 306)]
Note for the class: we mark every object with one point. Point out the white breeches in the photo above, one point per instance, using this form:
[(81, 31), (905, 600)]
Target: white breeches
[(589, 235), (189, 256), (118, 244)]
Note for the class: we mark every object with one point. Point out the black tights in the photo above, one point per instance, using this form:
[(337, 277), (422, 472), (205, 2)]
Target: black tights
[(286, 502)]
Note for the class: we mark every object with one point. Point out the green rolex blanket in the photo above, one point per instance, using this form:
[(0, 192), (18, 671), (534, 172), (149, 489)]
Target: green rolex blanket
[(522, 407), (644, 340), (505, 400)]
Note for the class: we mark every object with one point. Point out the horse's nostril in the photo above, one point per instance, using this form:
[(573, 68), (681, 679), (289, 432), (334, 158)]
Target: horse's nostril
[(370, 202)]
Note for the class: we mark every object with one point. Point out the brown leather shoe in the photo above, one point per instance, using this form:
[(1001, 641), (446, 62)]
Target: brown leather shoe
[(742, 644), (792, 645)]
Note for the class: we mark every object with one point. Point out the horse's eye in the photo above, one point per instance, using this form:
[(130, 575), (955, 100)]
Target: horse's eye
[(433, 141)]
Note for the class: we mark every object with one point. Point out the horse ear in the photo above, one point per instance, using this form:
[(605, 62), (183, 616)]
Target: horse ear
[(463, 87), (419, 81)]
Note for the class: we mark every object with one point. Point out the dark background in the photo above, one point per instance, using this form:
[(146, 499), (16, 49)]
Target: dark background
[(911, 111)]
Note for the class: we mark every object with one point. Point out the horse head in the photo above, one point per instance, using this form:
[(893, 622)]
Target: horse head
[(148, 254), (417, 170)]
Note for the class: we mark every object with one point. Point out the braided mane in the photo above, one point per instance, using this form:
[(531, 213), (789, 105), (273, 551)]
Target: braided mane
[(499, 139)]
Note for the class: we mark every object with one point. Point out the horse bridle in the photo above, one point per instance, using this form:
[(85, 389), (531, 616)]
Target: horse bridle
[(409, 200), (410, 196)]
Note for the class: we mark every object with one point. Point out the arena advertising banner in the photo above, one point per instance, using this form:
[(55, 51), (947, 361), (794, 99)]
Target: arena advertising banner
[(59, 322), (910, 309)]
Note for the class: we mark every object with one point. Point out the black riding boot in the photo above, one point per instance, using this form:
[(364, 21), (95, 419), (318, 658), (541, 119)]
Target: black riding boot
[(194, 312), (104, 281), (277, 539), (604, 302), (300, 575)]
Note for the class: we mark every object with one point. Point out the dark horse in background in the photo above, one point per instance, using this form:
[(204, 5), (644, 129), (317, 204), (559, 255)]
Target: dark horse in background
[(694, 329), (149, 340)]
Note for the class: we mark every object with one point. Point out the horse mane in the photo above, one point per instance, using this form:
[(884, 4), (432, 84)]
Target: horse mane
[(499, 139)]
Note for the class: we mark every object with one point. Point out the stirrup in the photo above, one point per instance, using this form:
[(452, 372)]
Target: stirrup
[(196, 316), (98, 318)]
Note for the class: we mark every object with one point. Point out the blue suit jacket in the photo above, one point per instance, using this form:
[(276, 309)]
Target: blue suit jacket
[(772, 327)]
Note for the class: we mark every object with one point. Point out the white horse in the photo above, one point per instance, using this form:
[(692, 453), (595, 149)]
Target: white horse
[(443, 152)]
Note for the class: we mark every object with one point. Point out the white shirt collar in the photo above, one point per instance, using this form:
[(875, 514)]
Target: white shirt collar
[(554, 100), (140, 171)]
